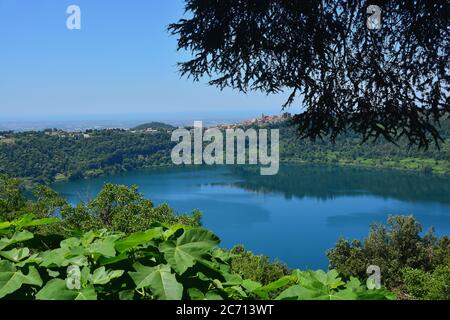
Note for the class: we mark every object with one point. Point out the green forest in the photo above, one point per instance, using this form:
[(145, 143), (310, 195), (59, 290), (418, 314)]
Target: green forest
[(53, 155), (48, 156), (120, 246)]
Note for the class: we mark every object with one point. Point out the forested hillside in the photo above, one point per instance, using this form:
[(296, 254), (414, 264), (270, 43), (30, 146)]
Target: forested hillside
[(49, 156), (57, 155), (349, 149)]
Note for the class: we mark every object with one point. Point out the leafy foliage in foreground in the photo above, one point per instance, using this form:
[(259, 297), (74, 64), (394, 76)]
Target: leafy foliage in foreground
[(163, 262)]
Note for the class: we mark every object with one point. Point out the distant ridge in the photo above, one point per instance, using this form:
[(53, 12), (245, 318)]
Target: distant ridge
[(153, 125)]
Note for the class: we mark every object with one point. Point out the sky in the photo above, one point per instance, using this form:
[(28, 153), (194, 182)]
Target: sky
[(121, 64)]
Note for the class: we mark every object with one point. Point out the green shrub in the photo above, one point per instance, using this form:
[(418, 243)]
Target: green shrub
[(400, 251), (122, 208), (428, 285), (257, 268), (116, 207), (11, 197)]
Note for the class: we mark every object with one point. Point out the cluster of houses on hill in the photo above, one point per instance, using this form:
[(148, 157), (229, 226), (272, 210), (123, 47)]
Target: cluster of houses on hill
[(88, 133), (147, 130), (65, 134), (263, 120)]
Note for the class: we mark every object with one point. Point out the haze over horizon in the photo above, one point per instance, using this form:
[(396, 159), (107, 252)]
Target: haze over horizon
[(122, 121)]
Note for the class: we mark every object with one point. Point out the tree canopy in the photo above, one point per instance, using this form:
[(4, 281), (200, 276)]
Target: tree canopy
[(386, 82)]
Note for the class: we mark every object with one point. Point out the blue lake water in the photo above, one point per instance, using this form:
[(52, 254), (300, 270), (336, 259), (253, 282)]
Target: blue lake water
[(294, 216)]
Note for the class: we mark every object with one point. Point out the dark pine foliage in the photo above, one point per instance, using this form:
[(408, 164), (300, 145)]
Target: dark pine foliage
[(391, 82)]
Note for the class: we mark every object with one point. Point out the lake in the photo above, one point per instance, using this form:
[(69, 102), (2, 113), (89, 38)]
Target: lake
[(294, 216)]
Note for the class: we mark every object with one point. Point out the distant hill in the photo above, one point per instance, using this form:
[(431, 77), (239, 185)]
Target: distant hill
[(153, 125)]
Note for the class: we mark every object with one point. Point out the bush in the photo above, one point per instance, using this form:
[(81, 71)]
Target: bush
[(122, 208), (257, 268), (11, 197), (116, 207), (428, 285), (400, 251)]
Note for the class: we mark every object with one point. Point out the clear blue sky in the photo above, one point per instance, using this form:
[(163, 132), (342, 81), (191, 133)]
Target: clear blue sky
[(121, 62)]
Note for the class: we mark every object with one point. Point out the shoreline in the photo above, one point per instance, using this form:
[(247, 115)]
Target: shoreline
[(30, 183)]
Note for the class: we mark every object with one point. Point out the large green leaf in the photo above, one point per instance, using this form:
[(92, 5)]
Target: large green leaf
[(196, 294), (333, 280), (103, 247), (355, 285), (33, 259), (250, 285), (25, 221), (232, 279), (320, 278), (101, 276), (376, 294), (298, 292), (111, 260), (345, 294), (70, 243), (263, 292), (5, 225), (57, 289), (213, 295), (188, 248), (29, 220), (76, 261), (173, 229), (87, 237), (223, 255), (12, 279), (54, 258), (137, 239), (236, 292), (159, 279), (17, 237), (318, 285), (15, 254)]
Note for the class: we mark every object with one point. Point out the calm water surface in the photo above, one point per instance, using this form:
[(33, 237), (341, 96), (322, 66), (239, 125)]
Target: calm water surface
[(294, 216)]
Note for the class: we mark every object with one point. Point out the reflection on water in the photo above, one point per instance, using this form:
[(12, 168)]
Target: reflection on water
[(329, 182), (294, 216)]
